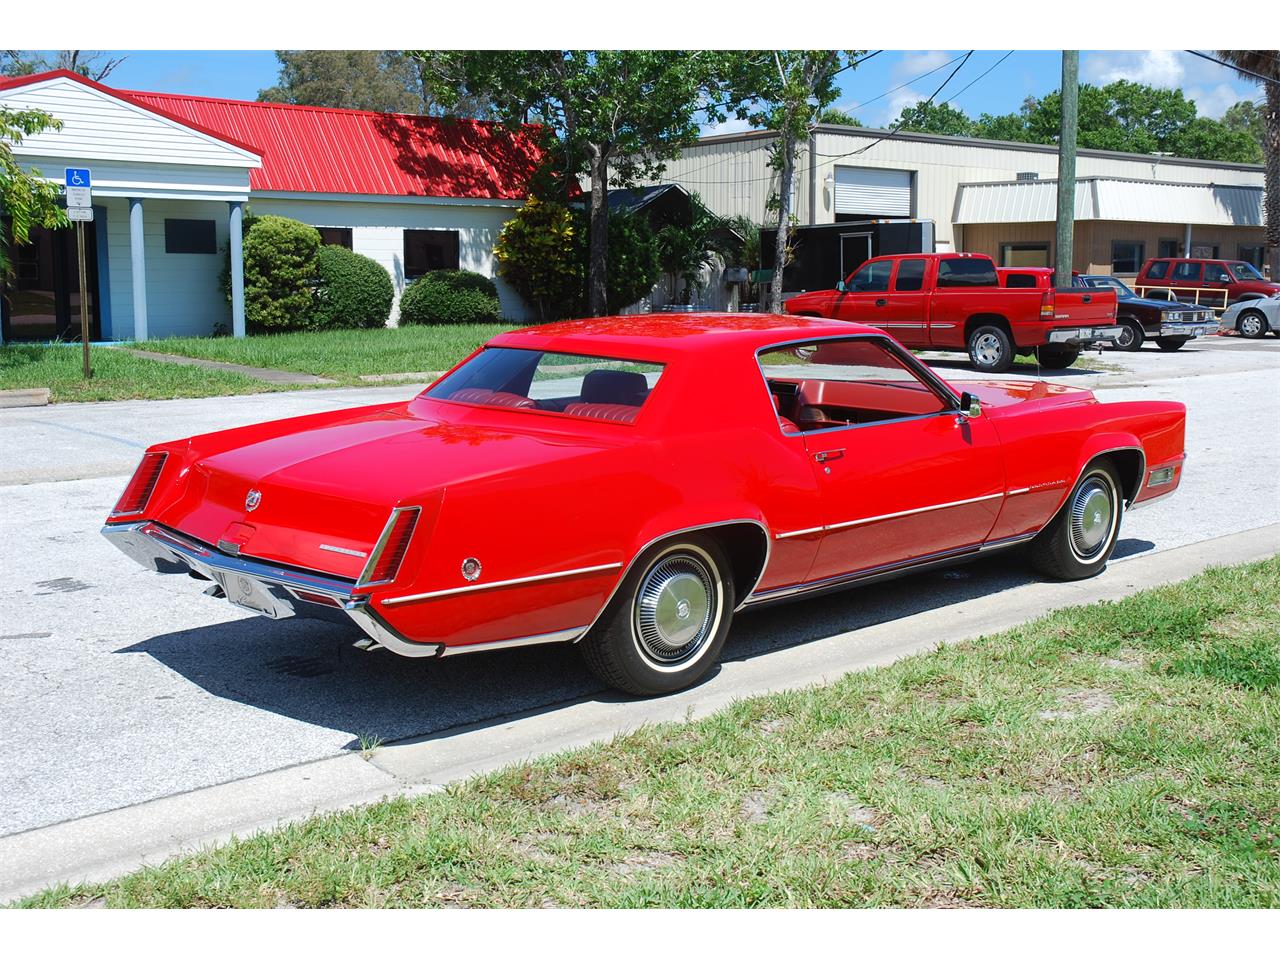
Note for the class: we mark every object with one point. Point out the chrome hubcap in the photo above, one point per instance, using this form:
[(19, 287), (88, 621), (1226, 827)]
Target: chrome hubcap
[(1091, 514), (1126, 337), (1250, 325), (986, 348), (675, 609)]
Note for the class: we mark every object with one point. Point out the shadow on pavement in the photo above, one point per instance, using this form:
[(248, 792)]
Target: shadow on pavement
[(309, 670)]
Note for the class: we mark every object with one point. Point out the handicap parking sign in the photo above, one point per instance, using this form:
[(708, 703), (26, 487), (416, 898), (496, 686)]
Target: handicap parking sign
[(78, 177)]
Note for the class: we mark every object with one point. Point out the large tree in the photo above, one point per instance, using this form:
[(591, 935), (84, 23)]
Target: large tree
[(942, 118), (1265, 64), (787, 92), (26, 198), (617, 115), (94, 64)]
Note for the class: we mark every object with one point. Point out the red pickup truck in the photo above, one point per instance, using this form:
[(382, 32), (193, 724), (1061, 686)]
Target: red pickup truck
[(955, 301)]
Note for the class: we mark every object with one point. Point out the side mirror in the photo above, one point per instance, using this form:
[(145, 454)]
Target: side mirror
[(840, 287), (969, 405)]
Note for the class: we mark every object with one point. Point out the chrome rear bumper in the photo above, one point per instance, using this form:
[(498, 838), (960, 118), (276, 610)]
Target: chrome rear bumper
[(1081, 336), (263, 588)]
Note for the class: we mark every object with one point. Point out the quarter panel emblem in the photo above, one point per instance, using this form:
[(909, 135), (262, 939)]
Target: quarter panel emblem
[(471, 569), (252, 500)]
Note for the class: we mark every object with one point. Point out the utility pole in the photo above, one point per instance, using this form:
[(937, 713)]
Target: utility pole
[(1067, 167)]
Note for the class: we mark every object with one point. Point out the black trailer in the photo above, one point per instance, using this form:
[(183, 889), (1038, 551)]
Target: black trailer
[(826, 254)]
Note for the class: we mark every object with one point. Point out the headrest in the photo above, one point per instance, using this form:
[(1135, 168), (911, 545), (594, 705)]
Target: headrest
[(614, 386)]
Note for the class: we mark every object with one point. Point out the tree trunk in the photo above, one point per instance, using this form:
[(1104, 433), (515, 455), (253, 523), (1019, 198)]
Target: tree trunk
[(1271, 181), (598, 236), (784, 221)]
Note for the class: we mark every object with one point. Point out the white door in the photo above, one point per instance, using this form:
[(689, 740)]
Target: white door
[(873, 192)]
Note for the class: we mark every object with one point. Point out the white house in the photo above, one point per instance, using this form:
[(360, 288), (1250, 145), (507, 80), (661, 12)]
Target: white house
[(172, 176)]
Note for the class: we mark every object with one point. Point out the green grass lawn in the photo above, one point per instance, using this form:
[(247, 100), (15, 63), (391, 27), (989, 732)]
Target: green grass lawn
[(342, 355), (1121, 754), (117, 375)]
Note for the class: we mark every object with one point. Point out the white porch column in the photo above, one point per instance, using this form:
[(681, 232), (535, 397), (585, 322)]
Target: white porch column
[(137, 251), (236, 230)]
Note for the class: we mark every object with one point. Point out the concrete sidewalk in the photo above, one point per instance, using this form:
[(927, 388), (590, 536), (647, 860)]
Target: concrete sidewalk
[(108, 844)]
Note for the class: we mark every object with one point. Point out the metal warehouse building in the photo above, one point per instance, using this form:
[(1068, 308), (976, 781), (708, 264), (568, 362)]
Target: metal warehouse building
[(992, 196), (172, 176)]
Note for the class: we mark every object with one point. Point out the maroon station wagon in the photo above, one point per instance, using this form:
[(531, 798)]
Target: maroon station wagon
[(1214, 283)]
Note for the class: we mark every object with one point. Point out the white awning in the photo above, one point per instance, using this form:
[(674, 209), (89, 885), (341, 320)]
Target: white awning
[(1104, 198)]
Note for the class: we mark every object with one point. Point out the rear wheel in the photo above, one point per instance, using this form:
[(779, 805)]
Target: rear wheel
[(990, 349), (667, 624), (1057, 358), (1252, 324), (1131, 335), (1079, 540), (1171, 343)]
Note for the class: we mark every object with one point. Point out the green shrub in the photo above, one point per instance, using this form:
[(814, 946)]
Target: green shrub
[(538, 253), (279, 274), (633, 265), (450, 296), (351, 290)]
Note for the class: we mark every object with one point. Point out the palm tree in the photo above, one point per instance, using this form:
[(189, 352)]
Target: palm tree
[(1266, 63)]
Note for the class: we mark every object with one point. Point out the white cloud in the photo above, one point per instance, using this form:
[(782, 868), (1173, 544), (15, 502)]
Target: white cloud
[(731, 125), (898, 101), (913, 63), (1211, 86)]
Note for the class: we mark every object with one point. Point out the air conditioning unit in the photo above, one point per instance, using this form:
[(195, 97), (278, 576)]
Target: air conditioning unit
[(1029, 175)]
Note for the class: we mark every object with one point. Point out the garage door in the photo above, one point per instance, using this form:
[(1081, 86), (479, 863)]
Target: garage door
[(873, 192)]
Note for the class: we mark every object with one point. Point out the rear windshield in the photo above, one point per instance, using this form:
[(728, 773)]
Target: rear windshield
[(967, 272), (597, 388)]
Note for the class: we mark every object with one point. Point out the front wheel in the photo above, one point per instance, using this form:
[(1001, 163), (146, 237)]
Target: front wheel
[(1057, 358), (990, 349), (1171, 343), (667, 624), (1252, 324), (1078, 542)]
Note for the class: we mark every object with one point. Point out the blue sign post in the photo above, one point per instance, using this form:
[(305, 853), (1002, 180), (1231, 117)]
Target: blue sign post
[(78, 208)]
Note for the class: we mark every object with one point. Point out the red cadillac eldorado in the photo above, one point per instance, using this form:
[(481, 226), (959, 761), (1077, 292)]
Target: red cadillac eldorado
[(629, 483)]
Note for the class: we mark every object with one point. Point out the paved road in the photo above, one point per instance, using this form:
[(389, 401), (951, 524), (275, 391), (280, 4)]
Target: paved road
[(120, 686)]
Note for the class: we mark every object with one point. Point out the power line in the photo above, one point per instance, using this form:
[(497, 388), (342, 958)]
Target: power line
[(942, 66), (977, 78), (1232, 66)]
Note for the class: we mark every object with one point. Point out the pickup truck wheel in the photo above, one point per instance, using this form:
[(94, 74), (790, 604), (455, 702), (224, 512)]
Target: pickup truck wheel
[(1078, 541), (990, 349), (1252, 324), (1171, 343), (667, 623), (1057, 358), (1131, 335)]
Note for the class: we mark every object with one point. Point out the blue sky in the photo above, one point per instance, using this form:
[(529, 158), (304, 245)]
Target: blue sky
[(865, 91)]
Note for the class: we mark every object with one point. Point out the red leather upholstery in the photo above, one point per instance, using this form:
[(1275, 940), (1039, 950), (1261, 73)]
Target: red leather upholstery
[(616, 412), (493, 398), (786, 425)]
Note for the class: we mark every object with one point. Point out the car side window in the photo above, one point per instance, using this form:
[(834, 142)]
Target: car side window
[(1187, 272), (872, 277), (1158, 270), (1216, 273), (910, 275), (826, 384)]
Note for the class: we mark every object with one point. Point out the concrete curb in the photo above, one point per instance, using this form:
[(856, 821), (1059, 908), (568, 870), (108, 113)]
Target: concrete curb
[(36, 397), (105, 845), (265, 374)]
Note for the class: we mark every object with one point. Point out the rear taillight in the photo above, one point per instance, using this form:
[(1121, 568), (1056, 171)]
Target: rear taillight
[(384, 562), (1046, 306), (141, 485)]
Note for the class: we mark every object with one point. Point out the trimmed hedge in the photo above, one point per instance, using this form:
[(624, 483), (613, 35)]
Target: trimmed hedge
[(450, 296), (279, 274), (351, 290)]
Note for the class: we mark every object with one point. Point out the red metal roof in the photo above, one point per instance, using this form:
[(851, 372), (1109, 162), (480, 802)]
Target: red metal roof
[(324, 150)]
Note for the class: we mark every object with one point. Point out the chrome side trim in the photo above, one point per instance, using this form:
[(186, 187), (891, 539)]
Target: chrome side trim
[(376, 554), (907, 513), (768, 553), (559, 636), (798, 533), (1003, 542), (472, 588)]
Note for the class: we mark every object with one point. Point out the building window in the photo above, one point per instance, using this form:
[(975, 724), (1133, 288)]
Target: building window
[(1204, 251), (335, 236), (1169, 248), (1127, 256), (1024, 254), (426, 250), (1252, 253), (190, 236)]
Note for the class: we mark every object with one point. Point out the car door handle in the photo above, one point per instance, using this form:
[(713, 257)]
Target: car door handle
[(1088, 298), (825, 455), (881, 301)]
